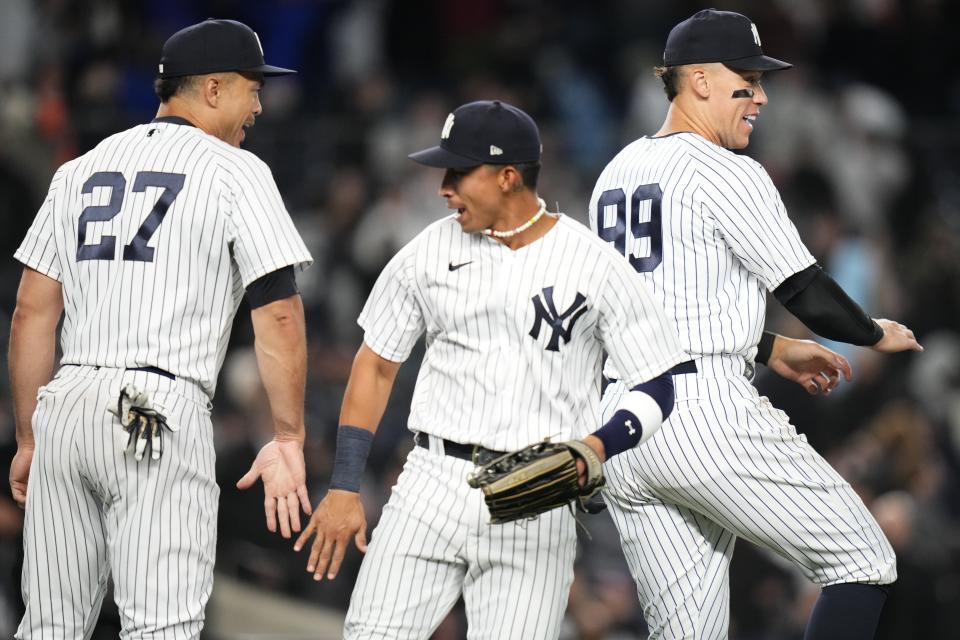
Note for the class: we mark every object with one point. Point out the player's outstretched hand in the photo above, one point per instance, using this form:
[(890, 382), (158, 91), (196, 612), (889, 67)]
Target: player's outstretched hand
[(280, 465), (811, 365), (338, 518), (20, 473), (896, 337)]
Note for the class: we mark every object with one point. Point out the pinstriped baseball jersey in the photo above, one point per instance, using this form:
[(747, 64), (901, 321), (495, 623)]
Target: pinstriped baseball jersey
[(514, 338), (706, 229), (154, 235), (729, 239), (514, 349)]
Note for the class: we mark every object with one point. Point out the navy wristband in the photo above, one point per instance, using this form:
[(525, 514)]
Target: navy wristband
[(638, 416), (765, 347), (623, 431), (353, 446)]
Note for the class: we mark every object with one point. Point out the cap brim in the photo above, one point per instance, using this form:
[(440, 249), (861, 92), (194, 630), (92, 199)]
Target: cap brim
[(757, 63), (443, 159), (269, 70)]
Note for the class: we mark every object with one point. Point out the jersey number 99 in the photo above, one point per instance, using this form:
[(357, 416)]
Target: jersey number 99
[(617, 232)]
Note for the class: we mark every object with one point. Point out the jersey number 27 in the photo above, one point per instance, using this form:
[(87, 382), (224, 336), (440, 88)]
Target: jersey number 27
[(617, 232), (137, 250)]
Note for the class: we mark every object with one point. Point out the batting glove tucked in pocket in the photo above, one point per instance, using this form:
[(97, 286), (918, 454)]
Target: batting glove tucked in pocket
[(141, 420)]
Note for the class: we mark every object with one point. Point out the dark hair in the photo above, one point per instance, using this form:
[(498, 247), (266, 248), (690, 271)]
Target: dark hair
[(671, 80), (166, 88), (530, 172)]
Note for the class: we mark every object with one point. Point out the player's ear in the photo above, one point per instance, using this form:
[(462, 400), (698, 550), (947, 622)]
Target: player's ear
[(509, 179), (698, 80), (211, 88)]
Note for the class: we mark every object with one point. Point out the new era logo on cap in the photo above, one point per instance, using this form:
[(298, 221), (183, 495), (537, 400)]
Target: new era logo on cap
[(487, 132)]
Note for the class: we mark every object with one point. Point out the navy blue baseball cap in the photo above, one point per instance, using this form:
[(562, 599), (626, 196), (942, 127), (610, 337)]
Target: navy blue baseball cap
[(484, 132), (212, 46), (719, 36)]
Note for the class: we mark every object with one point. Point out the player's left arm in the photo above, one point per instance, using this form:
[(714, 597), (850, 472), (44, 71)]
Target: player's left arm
[(280, 344), (811, 365), (33, 332), (643, 345)]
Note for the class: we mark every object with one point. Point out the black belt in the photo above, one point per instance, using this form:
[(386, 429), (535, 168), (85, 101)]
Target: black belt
[(471, 452), (156, 370), (684, 367)]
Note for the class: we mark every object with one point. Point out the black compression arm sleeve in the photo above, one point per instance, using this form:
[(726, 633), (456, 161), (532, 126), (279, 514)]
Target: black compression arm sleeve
[(274, 286), (819, 302)]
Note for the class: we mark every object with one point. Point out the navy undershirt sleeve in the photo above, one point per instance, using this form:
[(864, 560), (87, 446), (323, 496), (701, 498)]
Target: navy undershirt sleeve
[(274, 286)]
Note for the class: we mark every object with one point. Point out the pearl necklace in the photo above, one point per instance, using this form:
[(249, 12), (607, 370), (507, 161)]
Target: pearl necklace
[(526, 225)]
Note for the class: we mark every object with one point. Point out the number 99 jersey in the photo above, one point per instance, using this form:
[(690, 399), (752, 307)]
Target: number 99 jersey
[(707, 231), (154, 235)]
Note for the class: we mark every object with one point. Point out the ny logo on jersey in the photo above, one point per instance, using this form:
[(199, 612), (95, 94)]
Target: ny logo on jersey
[(546, 311)]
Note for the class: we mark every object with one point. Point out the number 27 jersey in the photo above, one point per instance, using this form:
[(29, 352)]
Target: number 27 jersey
[(706, 230), (154, 235)]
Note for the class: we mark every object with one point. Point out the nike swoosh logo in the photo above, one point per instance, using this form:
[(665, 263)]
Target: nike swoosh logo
[(454, 267)]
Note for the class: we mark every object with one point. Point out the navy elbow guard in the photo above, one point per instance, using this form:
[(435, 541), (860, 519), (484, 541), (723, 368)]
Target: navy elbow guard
[(639, 415)]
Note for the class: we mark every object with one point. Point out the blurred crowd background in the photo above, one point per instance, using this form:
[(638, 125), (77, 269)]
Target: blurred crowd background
[(862, 138)]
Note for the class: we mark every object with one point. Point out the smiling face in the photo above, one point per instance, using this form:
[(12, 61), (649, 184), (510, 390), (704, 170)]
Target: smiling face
[(732, 119), (238, 105), (476, 194)]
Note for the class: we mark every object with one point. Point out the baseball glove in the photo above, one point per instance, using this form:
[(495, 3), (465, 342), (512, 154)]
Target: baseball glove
[(541, 477), (141, 420)]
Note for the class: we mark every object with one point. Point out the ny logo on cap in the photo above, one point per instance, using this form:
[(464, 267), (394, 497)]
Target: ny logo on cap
[(261, 46), (447, 126), (756, 34)]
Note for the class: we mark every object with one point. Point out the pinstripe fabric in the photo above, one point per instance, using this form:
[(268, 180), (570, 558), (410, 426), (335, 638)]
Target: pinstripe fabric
[(227, 227), (726, 464), (169, 303), (491, 377), (93, 511), (726, 238), (511, 390), (434, 541)]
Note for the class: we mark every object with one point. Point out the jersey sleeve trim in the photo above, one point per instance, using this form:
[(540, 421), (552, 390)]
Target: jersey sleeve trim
[(380, 348), (46, 269)]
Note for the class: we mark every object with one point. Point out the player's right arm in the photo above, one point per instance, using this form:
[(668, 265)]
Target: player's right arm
[(33, 332), (392, 319), (748, 209), (339, 517)]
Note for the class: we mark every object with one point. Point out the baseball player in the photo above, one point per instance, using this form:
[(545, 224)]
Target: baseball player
[(518, 306), (146, 246), (706, 230)]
